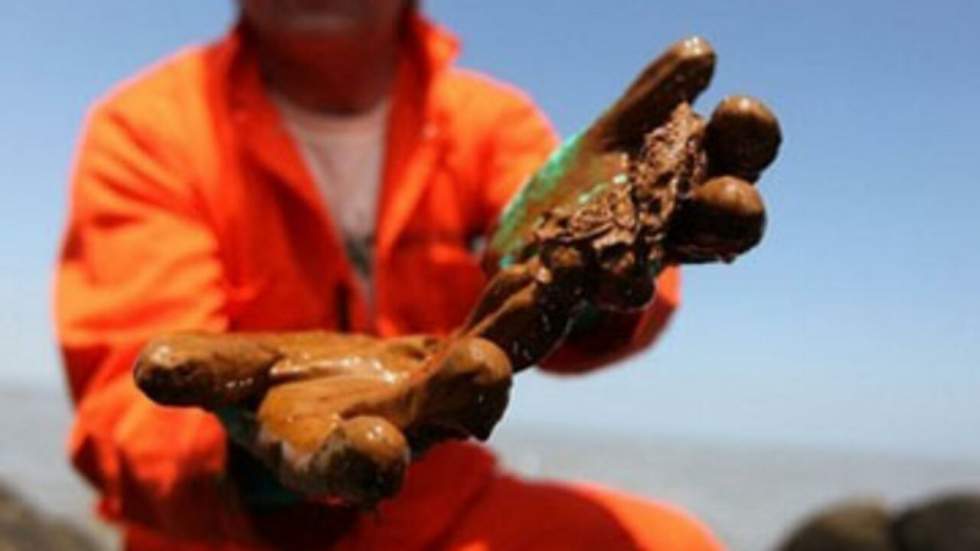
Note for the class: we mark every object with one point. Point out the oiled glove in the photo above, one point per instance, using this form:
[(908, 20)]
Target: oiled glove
[(332, 415), (650, 183)]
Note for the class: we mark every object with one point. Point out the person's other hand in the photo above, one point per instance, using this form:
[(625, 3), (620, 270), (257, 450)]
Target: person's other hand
[(649, 184), (333, 416)]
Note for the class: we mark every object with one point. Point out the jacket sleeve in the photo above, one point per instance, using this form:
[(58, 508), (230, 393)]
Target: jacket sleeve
[(137, 259), (521, 140)]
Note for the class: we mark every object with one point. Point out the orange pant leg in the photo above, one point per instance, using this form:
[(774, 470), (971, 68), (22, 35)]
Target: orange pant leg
[(515, 514)]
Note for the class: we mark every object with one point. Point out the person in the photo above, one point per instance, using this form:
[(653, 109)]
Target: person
[(324, 165)]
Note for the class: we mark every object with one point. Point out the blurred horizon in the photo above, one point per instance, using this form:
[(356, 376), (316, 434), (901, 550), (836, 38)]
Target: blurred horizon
[(853, 326)]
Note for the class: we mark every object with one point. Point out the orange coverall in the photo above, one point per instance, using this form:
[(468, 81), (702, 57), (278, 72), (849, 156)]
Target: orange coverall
[(192, 209)]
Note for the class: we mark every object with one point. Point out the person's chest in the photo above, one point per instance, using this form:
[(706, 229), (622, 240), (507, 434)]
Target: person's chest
[(286, 265)]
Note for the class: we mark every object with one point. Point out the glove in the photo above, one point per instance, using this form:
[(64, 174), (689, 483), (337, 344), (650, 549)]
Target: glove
[(333, 416), (647, 185)]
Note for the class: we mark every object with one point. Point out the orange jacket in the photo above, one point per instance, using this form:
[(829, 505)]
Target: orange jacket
[(191, 209)]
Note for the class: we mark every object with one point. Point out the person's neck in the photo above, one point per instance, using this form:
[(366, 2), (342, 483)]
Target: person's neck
[(338, 78)]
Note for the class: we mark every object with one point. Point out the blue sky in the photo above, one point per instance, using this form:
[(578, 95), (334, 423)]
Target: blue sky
[(855, 324)]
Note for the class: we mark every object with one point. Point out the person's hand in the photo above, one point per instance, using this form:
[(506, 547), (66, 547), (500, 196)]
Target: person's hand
[(650, 183), (334, 416)]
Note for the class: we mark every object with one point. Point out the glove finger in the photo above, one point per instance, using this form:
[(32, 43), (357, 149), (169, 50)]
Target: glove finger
[(206, 370), (678, 75), (743, 137), (311, 438), (502, 286), (529, 320), (466, 395), (723, 218), (362, 462)]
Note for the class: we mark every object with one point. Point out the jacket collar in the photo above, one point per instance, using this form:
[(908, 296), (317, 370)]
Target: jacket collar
[(414, 124)]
